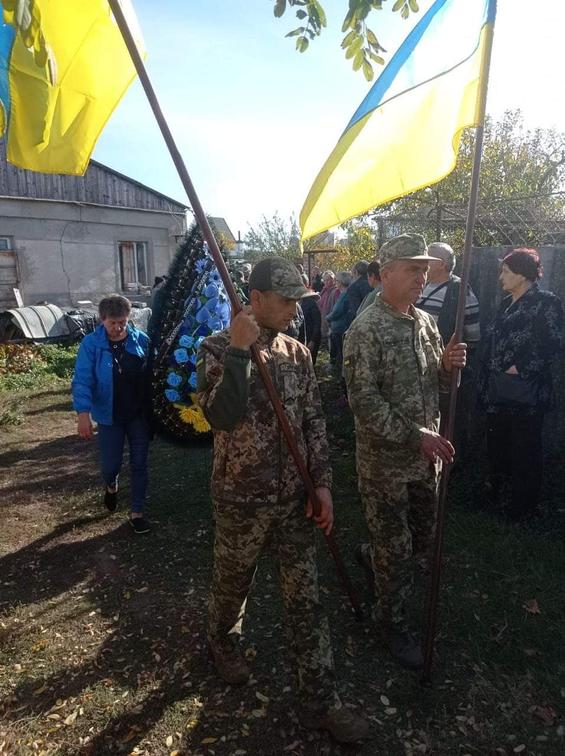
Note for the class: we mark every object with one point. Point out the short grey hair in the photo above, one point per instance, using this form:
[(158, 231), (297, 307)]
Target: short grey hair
[(444, 252), (343, 278), (328, 274)]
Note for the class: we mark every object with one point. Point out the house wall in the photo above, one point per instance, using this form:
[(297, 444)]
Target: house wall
[(68, 251)]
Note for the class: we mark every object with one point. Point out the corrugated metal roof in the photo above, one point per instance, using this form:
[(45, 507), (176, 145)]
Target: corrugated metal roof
[(100, 185), (222, 227)]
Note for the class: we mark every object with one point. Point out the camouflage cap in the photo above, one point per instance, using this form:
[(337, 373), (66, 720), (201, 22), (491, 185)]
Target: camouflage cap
[(279, 275), (404, 247)]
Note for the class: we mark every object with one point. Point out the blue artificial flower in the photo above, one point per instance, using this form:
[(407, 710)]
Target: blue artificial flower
[(215, 276), (174, 379), (198, 341), (186, 341), (200, 265), (211, 290), (172, 395), (211, 304), (192, 381), (202, 315), (215, 323), (189, 324), (223, 311), (181, 356)]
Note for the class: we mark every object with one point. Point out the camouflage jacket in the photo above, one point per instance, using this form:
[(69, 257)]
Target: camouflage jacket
[(392, 365), (252, 463)]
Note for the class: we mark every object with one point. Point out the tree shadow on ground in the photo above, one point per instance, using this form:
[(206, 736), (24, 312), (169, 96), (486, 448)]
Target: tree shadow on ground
[(150, 633), (65, 464), (66, 406), (151, 600)]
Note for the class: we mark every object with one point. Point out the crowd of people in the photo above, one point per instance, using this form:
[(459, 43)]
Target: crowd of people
[(388, 325)]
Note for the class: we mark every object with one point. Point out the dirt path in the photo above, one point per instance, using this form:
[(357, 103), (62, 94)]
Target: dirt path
[(102, 632)]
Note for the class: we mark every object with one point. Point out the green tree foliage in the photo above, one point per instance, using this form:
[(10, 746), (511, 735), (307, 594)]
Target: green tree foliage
[(359, 243), (276, 236), (360, 42), (522, 173)]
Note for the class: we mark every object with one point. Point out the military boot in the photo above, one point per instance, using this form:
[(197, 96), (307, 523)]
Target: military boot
[(343, 724), (229, 661), (403, 647)]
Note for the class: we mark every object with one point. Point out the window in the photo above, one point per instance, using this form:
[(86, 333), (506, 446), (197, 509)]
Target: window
[(5, 243), (133, 264)]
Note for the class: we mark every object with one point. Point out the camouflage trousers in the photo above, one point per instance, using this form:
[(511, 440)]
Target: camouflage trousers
[(242, 534), (401, 519)]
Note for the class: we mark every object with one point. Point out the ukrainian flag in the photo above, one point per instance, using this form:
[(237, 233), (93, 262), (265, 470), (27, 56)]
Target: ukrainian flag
[(405, 134), (63, 69)]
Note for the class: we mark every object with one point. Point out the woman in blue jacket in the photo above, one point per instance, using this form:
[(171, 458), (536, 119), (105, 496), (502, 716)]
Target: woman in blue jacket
[(110, 387)]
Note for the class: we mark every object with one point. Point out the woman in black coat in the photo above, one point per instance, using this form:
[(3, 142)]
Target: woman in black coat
[(515, 384), (311, 334)]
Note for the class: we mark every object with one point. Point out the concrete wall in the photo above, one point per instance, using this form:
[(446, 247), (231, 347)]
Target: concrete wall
[(68, 251)]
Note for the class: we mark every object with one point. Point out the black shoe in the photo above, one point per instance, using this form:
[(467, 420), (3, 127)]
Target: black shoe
[(111, 500), (139, 524), (404, 648)]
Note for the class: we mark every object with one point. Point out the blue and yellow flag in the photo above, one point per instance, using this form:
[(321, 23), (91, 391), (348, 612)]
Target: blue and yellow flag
[(405, 134), (63, 69)]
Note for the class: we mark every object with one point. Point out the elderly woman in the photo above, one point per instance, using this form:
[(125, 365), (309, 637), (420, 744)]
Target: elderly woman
[(515, 379), (339, 320), (110, 387)]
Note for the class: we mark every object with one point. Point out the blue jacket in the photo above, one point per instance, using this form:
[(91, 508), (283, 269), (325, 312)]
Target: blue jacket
[(339, 318), (93, 385)]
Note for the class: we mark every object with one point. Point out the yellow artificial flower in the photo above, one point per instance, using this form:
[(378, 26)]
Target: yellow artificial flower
[(193, 415)]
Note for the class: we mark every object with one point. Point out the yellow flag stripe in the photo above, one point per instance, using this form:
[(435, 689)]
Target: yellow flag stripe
[(55, 123)]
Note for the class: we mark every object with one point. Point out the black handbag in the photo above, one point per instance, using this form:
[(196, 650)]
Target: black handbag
[(505, 389)]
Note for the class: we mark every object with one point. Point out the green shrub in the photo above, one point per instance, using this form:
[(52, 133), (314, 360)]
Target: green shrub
[(10, 411), (59, 361), (28, 366)]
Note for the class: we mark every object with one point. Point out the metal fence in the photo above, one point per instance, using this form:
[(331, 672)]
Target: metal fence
[(529, 220)]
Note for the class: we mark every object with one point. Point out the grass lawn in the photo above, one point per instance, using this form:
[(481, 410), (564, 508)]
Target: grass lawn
[(102, 632)]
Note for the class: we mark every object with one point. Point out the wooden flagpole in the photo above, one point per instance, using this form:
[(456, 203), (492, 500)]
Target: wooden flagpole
[(433, 597), (232, 294)]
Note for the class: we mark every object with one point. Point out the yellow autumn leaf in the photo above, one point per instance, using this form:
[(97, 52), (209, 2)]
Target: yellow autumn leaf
[(169, 741), (208, 741)]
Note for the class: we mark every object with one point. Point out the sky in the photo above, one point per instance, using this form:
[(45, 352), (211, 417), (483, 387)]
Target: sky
[(254, 120)]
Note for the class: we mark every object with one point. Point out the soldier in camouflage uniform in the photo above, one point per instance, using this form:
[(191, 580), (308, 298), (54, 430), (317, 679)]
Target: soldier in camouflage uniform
[(395, 366), (259, 496)]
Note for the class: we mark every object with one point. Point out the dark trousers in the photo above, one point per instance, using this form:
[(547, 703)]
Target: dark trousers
[(514, 445), (314, 351), (111, 439), (336, 351), (463, 411)]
